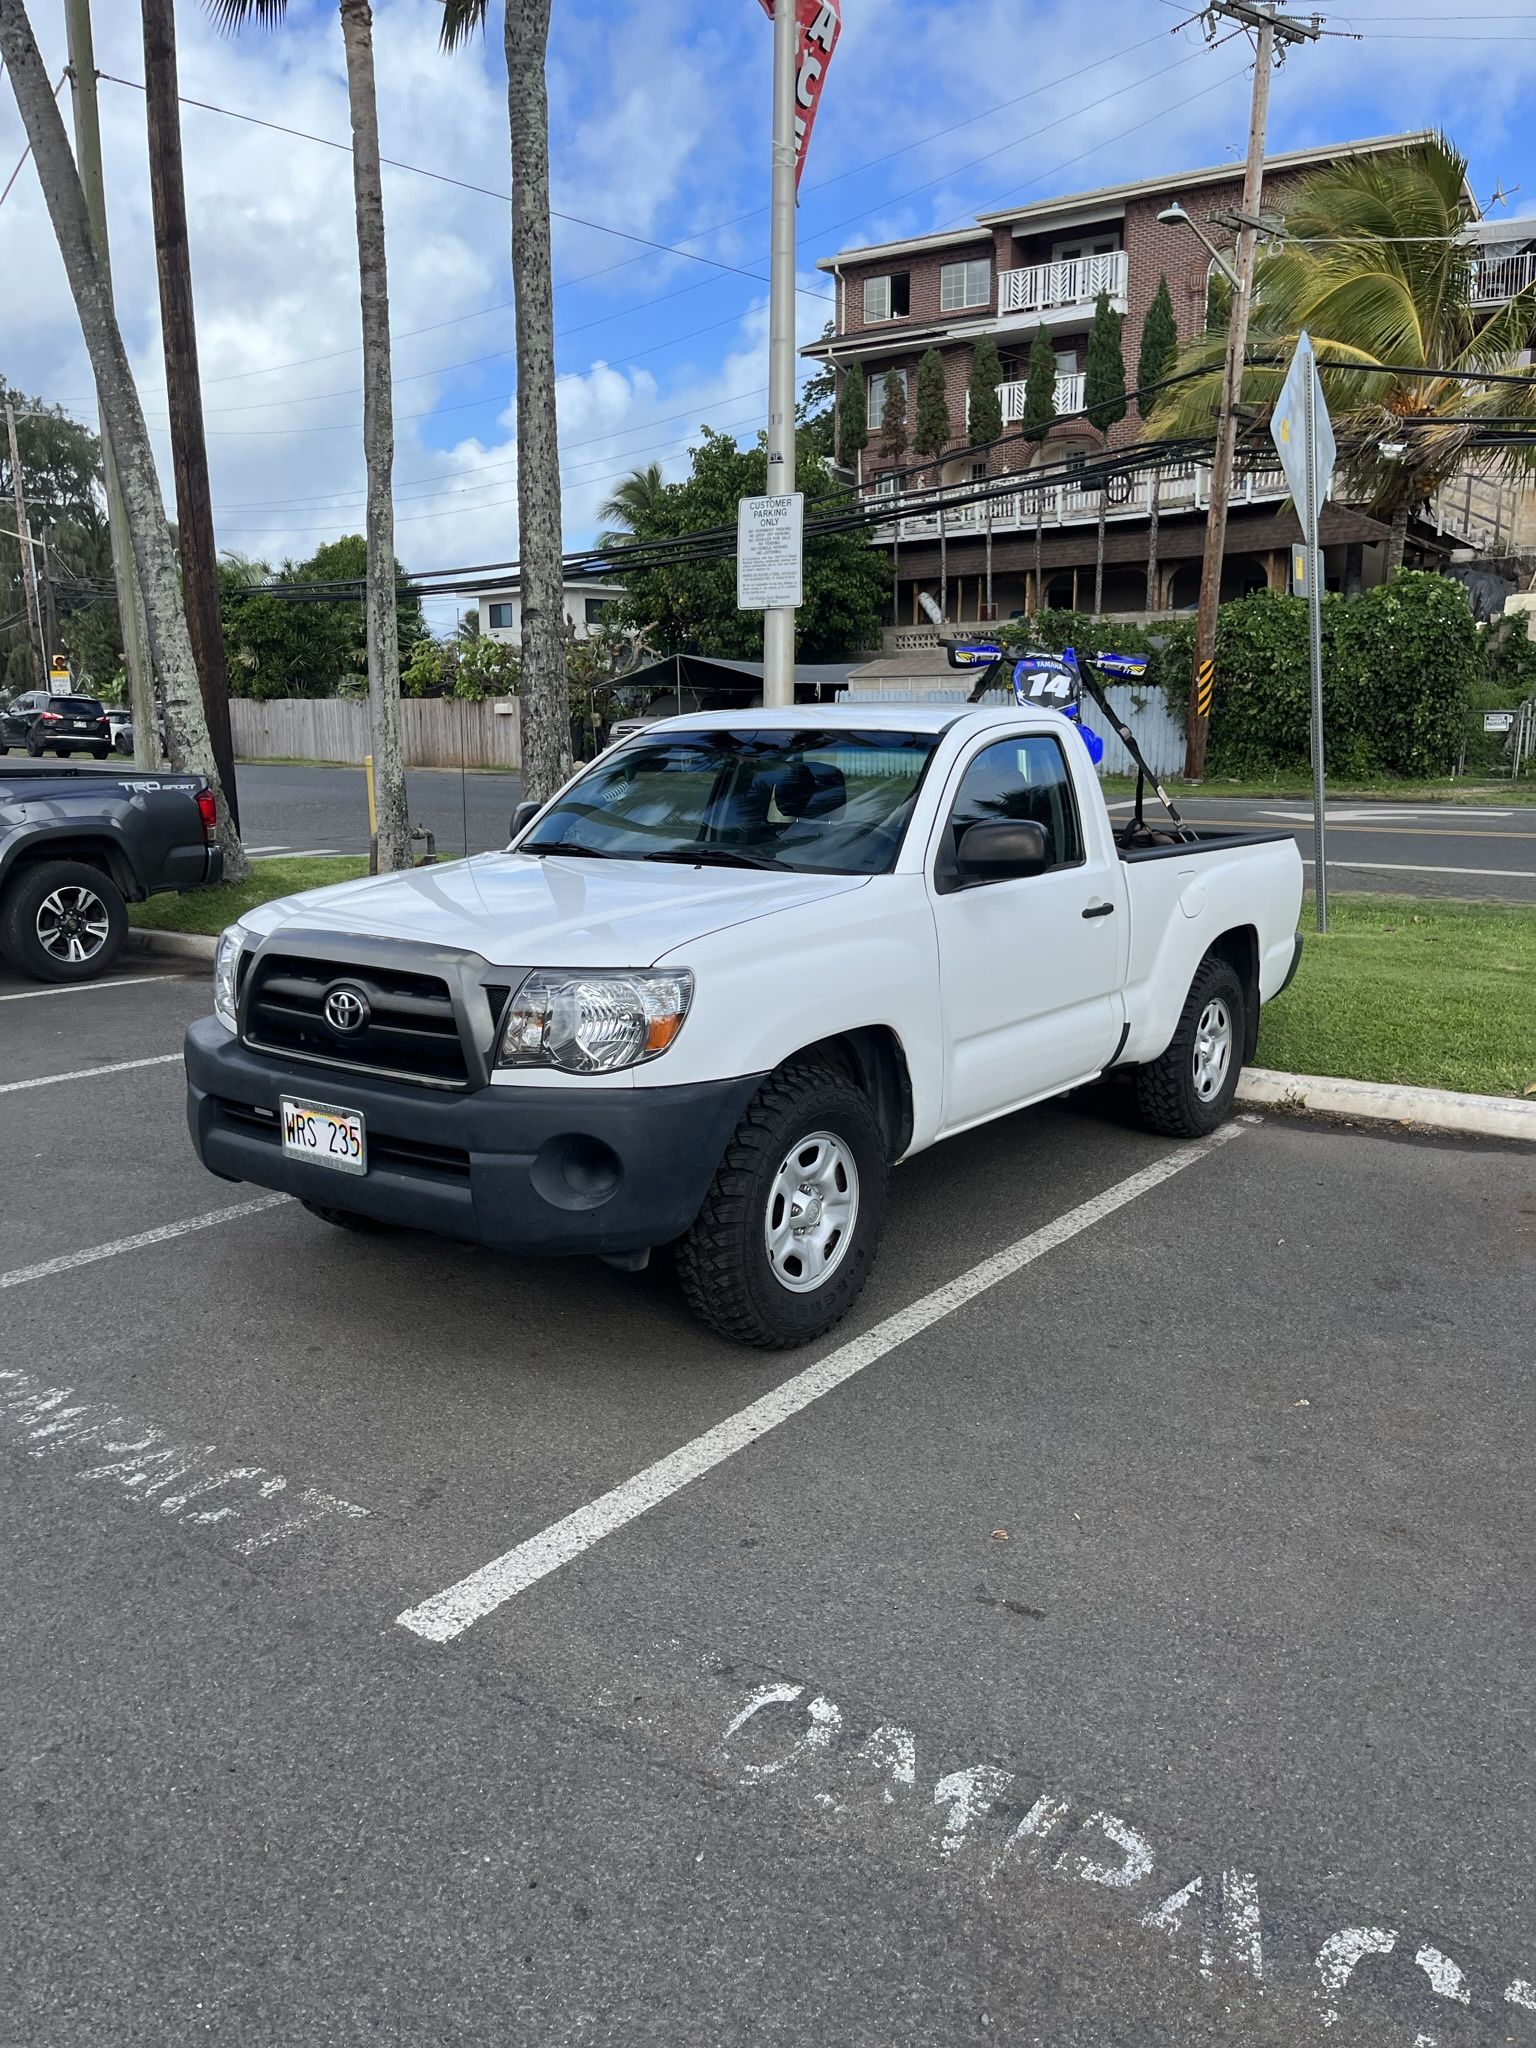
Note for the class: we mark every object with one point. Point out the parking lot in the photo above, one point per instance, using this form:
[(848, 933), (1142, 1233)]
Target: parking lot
[(1120, 1632)]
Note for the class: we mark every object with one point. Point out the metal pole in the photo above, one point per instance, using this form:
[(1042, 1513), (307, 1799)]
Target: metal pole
[(130, 611), (779, 624), (1315, 635), (28, 566)]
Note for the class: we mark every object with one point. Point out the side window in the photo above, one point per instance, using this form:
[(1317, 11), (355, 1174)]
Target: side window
[(1025, 779)]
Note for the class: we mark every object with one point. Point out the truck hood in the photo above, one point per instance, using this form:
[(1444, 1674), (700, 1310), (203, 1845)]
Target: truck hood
[(515, 911)]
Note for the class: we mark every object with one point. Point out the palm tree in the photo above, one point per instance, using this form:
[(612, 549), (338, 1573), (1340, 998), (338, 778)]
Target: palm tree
[(382, 630), (1376, 268), (144, 508), (633, 510), (541, 575)]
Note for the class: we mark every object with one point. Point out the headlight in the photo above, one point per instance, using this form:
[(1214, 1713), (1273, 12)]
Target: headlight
[(594, 1023), (226, 962)]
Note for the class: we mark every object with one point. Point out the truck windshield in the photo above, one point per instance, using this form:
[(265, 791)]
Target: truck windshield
[(834, 801)]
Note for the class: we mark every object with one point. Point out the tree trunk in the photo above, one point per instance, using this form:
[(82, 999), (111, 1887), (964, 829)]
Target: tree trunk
[(170, 647), (1154, 511), (382, 627), (24, 552), (178, 326), (541, 573), (1397, 544)]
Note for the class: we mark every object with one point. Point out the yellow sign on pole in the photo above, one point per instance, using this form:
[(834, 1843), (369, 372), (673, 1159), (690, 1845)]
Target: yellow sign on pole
[(58, 669), (1207, 690)]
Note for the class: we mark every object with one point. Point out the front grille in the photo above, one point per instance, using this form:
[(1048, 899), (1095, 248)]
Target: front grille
[(412, 1028)]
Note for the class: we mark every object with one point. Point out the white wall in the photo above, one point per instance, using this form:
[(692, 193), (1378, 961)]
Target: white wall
[(576, 596)]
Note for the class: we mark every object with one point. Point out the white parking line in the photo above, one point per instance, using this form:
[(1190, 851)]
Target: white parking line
[(1392, 867), (80, 988), (301, 853), (447, 1614), (159, 1059), (48, 1267)]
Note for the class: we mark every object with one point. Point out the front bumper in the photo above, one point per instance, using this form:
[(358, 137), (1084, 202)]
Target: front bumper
[(542, 1170)]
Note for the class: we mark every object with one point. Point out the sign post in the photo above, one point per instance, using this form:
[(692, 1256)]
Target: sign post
[(1303, 434)]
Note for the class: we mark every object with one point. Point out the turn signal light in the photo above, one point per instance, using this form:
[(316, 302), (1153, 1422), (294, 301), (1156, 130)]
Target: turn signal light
[(208, 811)]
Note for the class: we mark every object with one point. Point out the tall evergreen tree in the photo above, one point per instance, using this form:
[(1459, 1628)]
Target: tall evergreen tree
[(931, 431), (852, 417), (986, 409), (1040, 386), (1159, 348), (1104, 386), (893, 417)]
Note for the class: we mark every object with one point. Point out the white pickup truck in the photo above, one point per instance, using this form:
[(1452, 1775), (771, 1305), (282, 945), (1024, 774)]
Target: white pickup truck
[(727, 978)]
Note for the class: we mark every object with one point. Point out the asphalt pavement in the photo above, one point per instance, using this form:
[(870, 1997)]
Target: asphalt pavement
[(1130, 1645)]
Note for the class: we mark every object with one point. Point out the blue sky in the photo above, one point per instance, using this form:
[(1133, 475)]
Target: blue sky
[(931, 113)]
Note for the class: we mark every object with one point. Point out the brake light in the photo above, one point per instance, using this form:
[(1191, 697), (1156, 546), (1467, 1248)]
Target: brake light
[(208, 811), (50, 717)]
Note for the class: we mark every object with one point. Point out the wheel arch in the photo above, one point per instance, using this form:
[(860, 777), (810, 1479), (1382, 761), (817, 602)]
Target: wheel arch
[(874, 1057), (88, 849), (1239, 947)]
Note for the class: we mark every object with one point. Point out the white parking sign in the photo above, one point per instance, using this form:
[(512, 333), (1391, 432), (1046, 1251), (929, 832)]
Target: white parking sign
[(769, 544)]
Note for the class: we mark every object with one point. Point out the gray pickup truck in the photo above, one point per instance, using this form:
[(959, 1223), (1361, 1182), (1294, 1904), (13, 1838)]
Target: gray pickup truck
[(77, 846)]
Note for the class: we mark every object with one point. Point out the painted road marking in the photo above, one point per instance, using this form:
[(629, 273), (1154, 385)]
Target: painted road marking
[(301, 853), (1392, 867), (159, 1059), (80, 988), (999, 1829), (19, 1275), (447, 1614), (45, 1422)]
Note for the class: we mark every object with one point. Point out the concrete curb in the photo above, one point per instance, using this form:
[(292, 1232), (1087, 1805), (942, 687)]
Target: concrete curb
[(1435, 1109), (187, 946)]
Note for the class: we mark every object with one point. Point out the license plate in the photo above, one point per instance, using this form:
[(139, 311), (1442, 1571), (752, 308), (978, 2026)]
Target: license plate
[(324, 1135)]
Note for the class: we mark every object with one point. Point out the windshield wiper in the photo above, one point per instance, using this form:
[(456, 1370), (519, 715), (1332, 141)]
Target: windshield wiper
[(570, 846), (720, 857)]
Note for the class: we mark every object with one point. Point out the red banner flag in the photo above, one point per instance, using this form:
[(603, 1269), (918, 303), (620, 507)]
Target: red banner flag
[(821, 23)]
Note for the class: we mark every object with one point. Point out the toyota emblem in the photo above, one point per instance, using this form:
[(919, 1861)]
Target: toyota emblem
[(346, 1009)]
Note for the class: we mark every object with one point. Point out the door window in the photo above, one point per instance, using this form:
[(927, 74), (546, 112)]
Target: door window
[(1024, 779)]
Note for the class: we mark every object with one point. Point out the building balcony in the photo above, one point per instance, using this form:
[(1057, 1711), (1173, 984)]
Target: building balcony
[(1496, 279), (1070, 501), (1069, 397), (1054, 287)]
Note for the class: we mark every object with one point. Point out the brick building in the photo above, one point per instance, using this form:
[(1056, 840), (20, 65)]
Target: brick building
[(1046, 263)]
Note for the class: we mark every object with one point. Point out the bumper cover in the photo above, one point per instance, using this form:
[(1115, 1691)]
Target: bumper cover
[(541, 1170)]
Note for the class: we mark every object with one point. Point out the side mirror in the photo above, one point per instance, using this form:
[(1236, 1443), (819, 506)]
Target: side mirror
[(524, 814), (1002, 849)]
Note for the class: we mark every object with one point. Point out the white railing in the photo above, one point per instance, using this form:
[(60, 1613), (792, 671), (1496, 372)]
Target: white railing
[(1069, 397), (1042, 287), (1071, 501), (1497, 278)]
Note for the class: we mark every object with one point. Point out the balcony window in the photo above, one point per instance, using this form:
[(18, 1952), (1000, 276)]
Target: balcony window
[(891, 484), (499, 617), (597, 609), (875, 397), (888, 298), (963, 285)]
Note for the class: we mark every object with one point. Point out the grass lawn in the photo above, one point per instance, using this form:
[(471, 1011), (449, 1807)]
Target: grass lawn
[(1405, 989), (209, 910), (1498, 795)]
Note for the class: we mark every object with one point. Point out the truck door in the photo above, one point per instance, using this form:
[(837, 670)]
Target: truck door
[(1030, 968)]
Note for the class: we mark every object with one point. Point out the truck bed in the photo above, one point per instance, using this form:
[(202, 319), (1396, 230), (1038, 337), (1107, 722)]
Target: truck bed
[(1162, 842)]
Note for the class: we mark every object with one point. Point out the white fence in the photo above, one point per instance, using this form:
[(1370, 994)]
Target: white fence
[(1044, 286), (1069, 396), (434, 732)]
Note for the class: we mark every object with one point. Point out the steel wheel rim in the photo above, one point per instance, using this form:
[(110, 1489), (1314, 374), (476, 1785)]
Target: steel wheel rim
[(72, 924), (812, 1208), (1213, 1049)]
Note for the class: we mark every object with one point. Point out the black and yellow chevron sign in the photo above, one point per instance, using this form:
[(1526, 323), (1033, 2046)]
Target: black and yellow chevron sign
[(1207, 688)]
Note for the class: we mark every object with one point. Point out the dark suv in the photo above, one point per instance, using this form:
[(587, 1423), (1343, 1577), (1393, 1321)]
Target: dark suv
[(45, 724)]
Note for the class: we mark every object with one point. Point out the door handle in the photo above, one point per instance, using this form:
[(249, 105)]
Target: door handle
[(1100, 910)]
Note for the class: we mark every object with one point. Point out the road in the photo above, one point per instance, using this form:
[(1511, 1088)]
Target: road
[(1135, 1648)]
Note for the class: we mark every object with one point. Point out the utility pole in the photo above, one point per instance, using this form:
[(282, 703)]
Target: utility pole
[(779, 622), (28, 566), (189, 449), (130, 610), (1271, 27)]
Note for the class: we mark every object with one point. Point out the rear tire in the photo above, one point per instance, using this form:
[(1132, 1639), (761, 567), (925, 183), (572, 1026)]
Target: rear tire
[(1189, 1090), (809, 1147), (35, 749), (63, 921)]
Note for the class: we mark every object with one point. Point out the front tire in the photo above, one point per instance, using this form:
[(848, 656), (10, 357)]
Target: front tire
[(787, 1236), (63, 921), (1189, 1090)]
